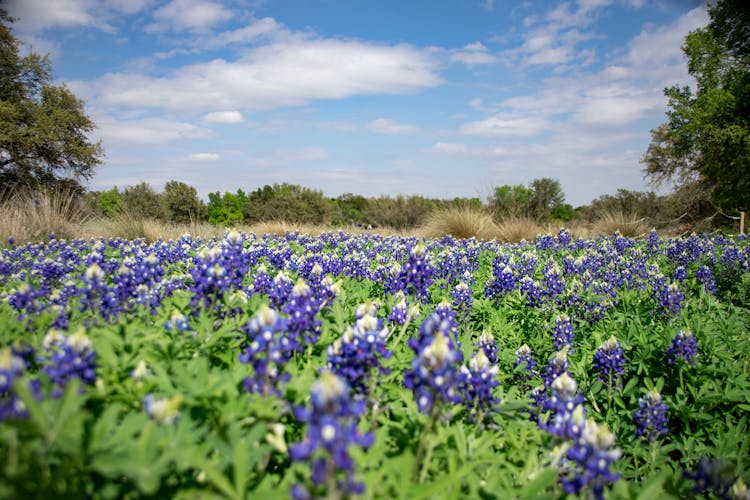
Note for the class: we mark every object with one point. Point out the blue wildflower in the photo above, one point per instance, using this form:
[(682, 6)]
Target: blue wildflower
[(589, 460), (267, 348), (651, 417), (67, 357), (331, 432), (684, 346), (562, 332), (609, 361)]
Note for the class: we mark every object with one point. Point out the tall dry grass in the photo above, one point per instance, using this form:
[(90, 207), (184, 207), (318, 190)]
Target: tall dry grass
[(628, 224), (514, 229), (131, 226), (460, 222), (34, 216)]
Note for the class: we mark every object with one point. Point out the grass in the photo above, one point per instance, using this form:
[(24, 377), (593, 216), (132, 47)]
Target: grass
[(628, 224), (515, 229), (31, 217), (460, 222)]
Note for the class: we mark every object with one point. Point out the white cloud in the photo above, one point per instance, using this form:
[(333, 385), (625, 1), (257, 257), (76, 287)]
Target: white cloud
[(223, 117), (447, 148), (147, 131), (260, 29), (189, 15), (386, 126), (37, 15), (203, 157), (504, 126), (284, 73), (473, 54)]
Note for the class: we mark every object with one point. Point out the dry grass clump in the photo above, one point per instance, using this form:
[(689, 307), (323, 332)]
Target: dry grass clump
[(515, 229), (34, 216), (629, 224), (132, 226), (460, 222)]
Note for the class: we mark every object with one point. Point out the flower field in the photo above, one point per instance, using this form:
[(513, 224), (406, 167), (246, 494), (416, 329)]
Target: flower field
[(382, 367)]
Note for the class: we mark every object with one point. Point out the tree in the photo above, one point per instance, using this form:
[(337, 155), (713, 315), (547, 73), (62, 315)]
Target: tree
[(705, 143), (43, 129), (510, 201), (142, 201), (546, 196), (288, 202), (182, 203), (226, 209)]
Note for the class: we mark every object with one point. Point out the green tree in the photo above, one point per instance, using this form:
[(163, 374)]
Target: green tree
[(288, 202), (226, 209), (546, 196), (182, 204), (705, 144), (142, 201), (43, 128), (109, 202), (510, 201)]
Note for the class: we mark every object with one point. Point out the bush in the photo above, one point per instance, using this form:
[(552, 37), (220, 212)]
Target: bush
[(401, 212), (142, 201), (288, 202), (182, 204)]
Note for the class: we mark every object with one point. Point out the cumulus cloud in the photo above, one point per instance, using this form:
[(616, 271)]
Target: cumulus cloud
[(203, 157), (147, 131), (473, 54), (502, 125), (223, 117), (386, 126), (37, 15), (189, 15), (447, 148), (284, 73)]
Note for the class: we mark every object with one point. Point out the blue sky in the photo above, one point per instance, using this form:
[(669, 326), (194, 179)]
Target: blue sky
[(440, 98)]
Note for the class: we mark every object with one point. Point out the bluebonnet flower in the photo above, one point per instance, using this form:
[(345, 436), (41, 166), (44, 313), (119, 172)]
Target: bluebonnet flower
[(670, 298), (434, 373), (558, 365), (11, 369), (712, 475), (651, 417), (177, 323), (589, 460), (462, 297), (531, 290), (567, 416), (262, 281), (331, 432), (400, 309), (416, 275), (684, 346), (552, 283), (609, 361), (163, 410), (476, 386), (360, 351), (523, 355), (705, 276), (281, 287), (502, 281), (562, 332), (210, 280), (679, 274), (302, 307), (66, 357), (487, 344), (267, 348)]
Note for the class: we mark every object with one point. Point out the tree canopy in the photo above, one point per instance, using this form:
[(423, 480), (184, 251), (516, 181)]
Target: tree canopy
[(705, 143), (43, 128)]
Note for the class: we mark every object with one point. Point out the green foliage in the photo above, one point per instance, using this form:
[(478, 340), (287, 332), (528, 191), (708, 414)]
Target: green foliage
[(182, 204), (226, 209), (350, 209), (510, 201), (43, 128), (287, 202), (705, 143), (542, 200), (143, 202), (399, 212), (109, 202)]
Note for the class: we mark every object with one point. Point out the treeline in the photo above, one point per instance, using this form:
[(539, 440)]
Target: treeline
[(541, 200)]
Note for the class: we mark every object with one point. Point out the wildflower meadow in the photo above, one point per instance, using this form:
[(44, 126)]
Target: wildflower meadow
[(359, 365)]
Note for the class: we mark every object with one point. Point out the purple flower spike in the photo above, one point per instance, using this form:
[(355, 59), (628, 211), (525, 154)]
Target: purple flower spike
[(684, 346)]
